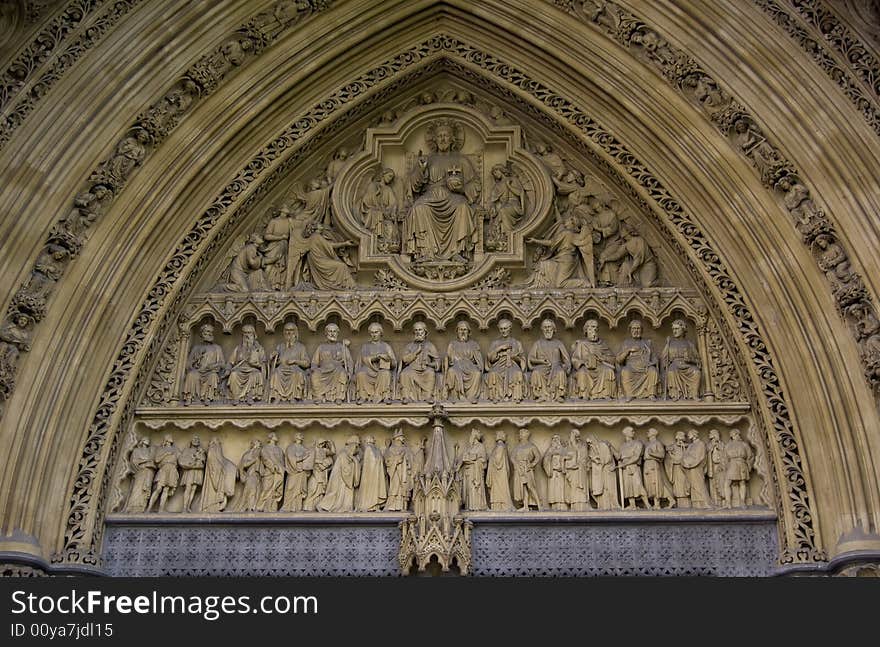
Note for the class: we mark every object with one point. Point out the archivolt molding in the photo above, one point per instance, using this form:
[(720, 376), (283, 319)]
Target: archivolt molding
[(84, 525), (861, 62), (734, 121), (62, 41)]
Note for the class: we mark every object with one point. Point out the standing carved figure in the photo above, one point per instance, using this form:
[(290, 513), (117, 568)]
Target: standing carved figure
[(593, 365), (506, 365), (603, 481), (554, 467), (276, 239), (372, 374), (331, 368), (463, 366), (167, 476), (715, 469), (577, 472), (298, 461), (694, 464), (525, 456), (507, 200), (657, 485), (498, 475), (444, 186), (607, 224), (205, 366), (192, 466), (739, 458), (246, 376), (682, 365), (380, 207), (344, 478), (419, 364), (272, 469), (550, 365), (219, 485), (249, 475), (143, 465), (323, 455), (288, 368), (678, 477), (631, 470), (639, 376), (373, 490), (399, 466), (473, 470)]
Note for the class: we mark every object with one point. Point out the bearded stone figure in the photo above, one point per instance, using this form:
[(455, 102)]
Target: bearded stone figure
[(506, 363), (331, 368), (248, 364), (372, 374), (682, 362), (548, 359), (444, 184), (464, 366), (288, 368), (592, 364), (205, 364)]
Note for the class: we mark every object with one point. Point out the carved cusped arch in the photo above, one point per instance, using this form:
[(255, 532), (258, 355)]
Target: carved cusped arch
[(699, 287)]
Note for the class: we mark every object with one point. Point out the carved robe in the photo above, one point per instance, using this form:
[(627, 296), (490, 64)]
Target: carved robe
[(577, 476), (630, 458), (219, 483), (298, 461), (398, 464), (344, 478), (144, 467), (192, 465), (638, 374), (678, 477), (327, 270), (525, 457), (738, 456), (372, 375), (287, 382), (504, 377), (694, 464), (508, 202), (202, 382), (379, 205), (554, 468), (246, 375), (440, 223), (418, 376), (549, 362), (323, 460), (331, 369), (682, 362), (656, 484), (715, 471), (271, 478), (603, 477), (373, 489), (465, 370), (166, 461), (593, 366), (570, 263), (498, 479), (249, 474), (473, 468)]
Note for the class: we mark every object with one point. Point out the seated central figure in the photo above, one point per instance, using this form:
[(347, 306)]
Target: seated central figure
[(440, 225)]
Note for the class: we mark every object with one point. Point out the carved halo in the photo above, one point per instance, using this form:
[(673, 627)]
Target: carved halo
[(453, 126)]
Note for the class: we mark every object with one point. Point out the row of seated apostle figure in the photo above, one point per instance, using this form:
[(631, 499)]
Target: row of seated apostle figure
[(580, 474), (590, 370)]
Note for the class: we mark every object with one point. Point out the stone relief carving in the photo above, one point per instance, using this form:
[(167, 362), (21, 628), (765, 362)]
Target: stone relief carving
[(529, 307)]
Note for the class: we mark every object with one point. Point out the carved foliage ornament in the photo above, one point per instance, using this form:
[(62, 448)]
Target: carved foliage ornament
[(81, 532)]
